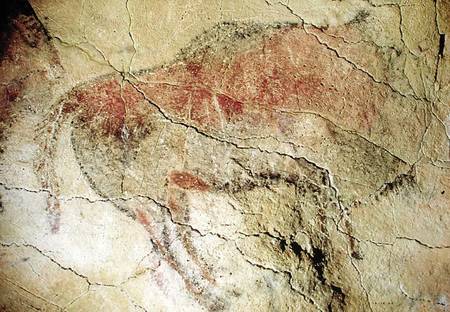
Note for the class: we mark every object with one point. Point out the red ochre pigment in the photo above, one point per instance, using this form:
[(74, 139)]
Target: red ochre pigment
[(187, 181), (286, 71)]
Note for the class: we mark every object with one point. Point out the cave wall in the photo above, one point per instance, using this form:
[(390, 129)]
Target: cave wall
[(225, 155)]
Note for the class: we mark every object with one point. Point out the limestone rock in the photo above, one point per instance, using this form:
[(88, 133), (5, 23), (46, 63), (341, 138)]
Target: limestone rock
[(225, 156)]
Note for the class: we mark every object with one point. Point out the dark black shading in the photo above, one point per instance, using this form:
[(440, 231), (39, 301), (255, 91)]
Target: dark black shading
[(441, 44), (9, 10)]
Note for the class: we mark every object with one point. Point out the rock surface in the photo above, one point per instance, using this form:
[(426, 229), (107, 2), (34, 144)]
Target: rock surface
[(225, 156)]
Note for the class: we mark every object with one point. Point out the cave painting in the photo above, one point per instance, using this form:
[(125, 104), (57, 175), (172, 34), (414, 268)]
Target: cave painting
[(133, 136)]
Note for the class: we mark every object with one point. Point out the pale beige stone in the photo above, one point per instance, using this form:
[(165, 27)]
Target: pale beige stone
[(155, 156)]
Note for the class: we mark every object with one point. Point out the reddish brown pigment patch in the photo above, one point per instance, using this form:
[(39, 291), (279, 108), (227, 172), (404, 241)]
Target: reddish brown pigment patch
[(54, 214), (194, 68), (12, 91), (187, 181), (106, 105), (55, 218), (229, 106), (8, 95), (163, 246), (173, 206), (288, 71), (5, 111), (143, 218)]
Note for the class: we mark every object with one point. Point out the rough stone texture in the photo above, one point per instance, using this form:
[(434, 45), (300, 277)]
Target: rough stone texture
[(225, 156)]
